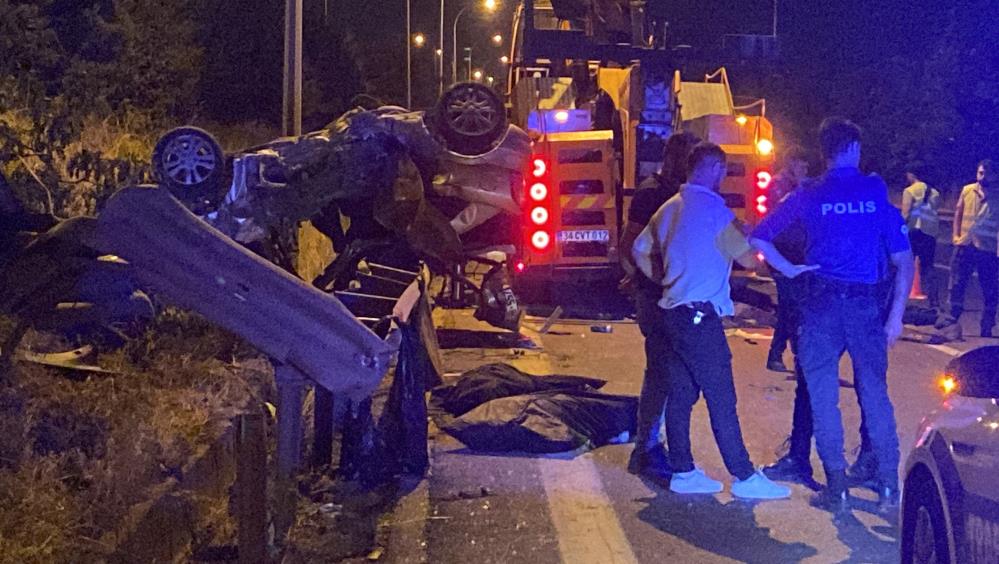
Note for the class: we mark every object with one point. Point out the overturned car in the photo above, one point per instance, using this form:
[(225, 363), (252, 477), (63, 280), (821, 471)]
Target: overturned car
[(387, 185)]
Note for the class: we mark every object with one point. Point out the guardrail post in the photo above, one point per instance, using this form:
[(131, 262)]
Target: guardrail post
[(251, 488), (322, 445), (291, 390)]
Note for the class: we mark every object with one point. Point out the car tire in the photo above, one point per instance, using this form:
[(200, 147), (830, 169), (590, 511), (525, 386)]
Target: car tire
[(924, 528), (189, 162), (470, 118)]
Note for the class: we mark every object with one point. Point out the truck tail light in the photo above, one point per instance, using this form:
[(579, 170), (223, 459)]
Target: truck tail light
[(538, 205), (539, 167), (539, 215), (761, 204), (763, 180), (540, 240)]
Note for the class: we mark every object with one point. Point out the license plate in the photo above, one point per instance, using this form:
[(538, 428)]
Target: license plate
[(584, 236)]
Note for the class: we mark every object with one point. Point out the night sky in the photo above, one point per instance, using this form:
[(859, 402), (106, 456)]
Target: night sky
[(831, 50)]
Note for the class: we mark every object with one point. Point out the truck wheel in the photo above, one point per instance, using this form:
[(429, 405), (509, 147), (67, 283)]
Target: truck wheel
[(471, 118), (189, 163)]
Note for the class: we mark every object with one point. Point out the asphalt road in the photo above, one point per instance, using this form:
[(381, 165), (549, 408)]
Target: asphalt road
[(588, 508)]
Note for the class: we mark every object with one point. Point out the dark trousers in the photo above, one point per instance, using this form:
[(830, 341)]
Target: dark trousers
[(924, 247), (655, 385), (835, 321), (968, 259), (790, 293), (800, 441), (699, 361)]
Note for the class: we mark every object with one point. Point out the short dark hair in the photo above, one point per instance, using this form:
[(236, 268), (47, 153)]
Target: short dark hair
[(917, 169), (836, 135), (702, 152), (987, 164), (794, 153), (675, 153)]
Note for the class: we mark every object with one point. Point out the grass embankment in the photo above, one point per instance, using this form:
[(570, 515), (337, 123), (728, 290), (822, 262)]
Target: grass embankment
[(78, 450)]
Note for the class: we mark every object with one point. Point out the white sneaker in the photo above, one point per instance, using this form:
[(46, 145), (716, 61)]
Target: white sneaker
[(694, 482), (758, 486)]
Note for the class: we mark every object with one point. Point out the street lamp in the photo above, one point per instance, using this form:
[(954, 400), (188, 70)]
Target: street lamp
[(419, 40), (477, 75), (409, 55), (497, 39), (490, 6), (505, 60)]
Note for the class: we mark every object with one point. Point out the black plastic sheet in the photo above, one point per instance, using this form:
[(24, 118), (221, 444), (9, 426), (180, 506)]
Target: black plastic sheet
[(498, 408)]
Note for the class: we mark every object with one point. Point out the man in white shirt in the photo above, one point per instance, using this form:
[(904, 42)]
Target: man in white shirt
[(695, 238)]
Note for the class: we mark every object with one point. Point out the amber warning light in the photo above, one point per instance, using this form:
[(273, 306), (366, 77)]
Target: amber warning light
[(948, 384)]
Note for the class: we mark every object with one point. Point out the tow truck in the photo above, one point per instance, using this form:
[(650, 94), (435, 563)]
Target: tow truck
[(600, 111)]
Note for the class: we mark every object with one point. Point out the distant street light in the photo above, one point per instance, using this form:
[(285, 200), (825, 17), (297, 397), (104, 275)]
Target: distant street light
[(505, 60), (490, 6), (477, 75), (419, 40), (497, 39), (490, 80)]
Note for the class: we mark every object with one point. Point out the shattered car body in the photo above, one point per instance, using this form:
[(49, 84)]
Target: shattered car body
[(437, 183)]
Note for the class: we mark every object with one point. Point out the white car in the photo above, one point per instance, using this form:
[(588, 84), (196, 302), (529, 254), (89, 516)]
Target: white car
[(950, 493)]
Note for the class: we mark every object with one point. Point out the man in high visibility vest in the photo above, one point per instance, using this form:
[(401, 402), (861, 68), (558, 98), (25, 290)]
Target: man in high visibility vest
[(920, 203), (976, 226)]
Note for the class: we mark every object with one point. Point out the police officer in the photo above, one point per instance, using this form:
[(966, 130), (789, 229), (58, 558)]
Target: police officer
[(789, 292), (849, 224)]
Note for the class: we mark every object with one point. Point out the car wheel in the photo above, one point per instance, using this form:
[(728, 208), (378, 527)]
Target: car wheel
[(189, 162), (924, 529), (471, 118)]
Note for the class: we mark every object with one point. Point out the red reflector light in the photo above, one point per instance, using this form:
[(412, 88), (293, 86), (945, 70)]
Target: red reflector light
[(541, 240), (761, 208), (763, 179), (538, 191), (540, 168), (520, 266), (761, 199), (539, 216)]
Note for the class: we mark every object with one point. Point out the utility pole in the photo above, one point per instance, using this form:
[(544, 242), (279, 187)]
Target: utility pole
[(409, 57), (440, 55), (291, 120), (775, 18)]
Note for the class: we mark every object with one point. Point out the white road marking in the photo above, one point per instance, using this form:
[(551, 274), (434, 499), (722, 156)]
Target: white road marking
[(583, 515), (945, 349)]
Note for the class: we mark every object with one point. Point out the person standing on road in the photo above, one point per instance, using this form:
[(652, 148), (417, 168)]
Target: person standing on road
[(791, 245), (920, 203), (689, 246), (975, 238), (649, 458), (849, 225)]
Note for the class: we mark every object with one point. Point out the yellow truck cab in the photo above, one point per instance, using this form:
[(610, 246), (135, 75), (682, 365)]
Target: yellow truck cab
[(599, 114)]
